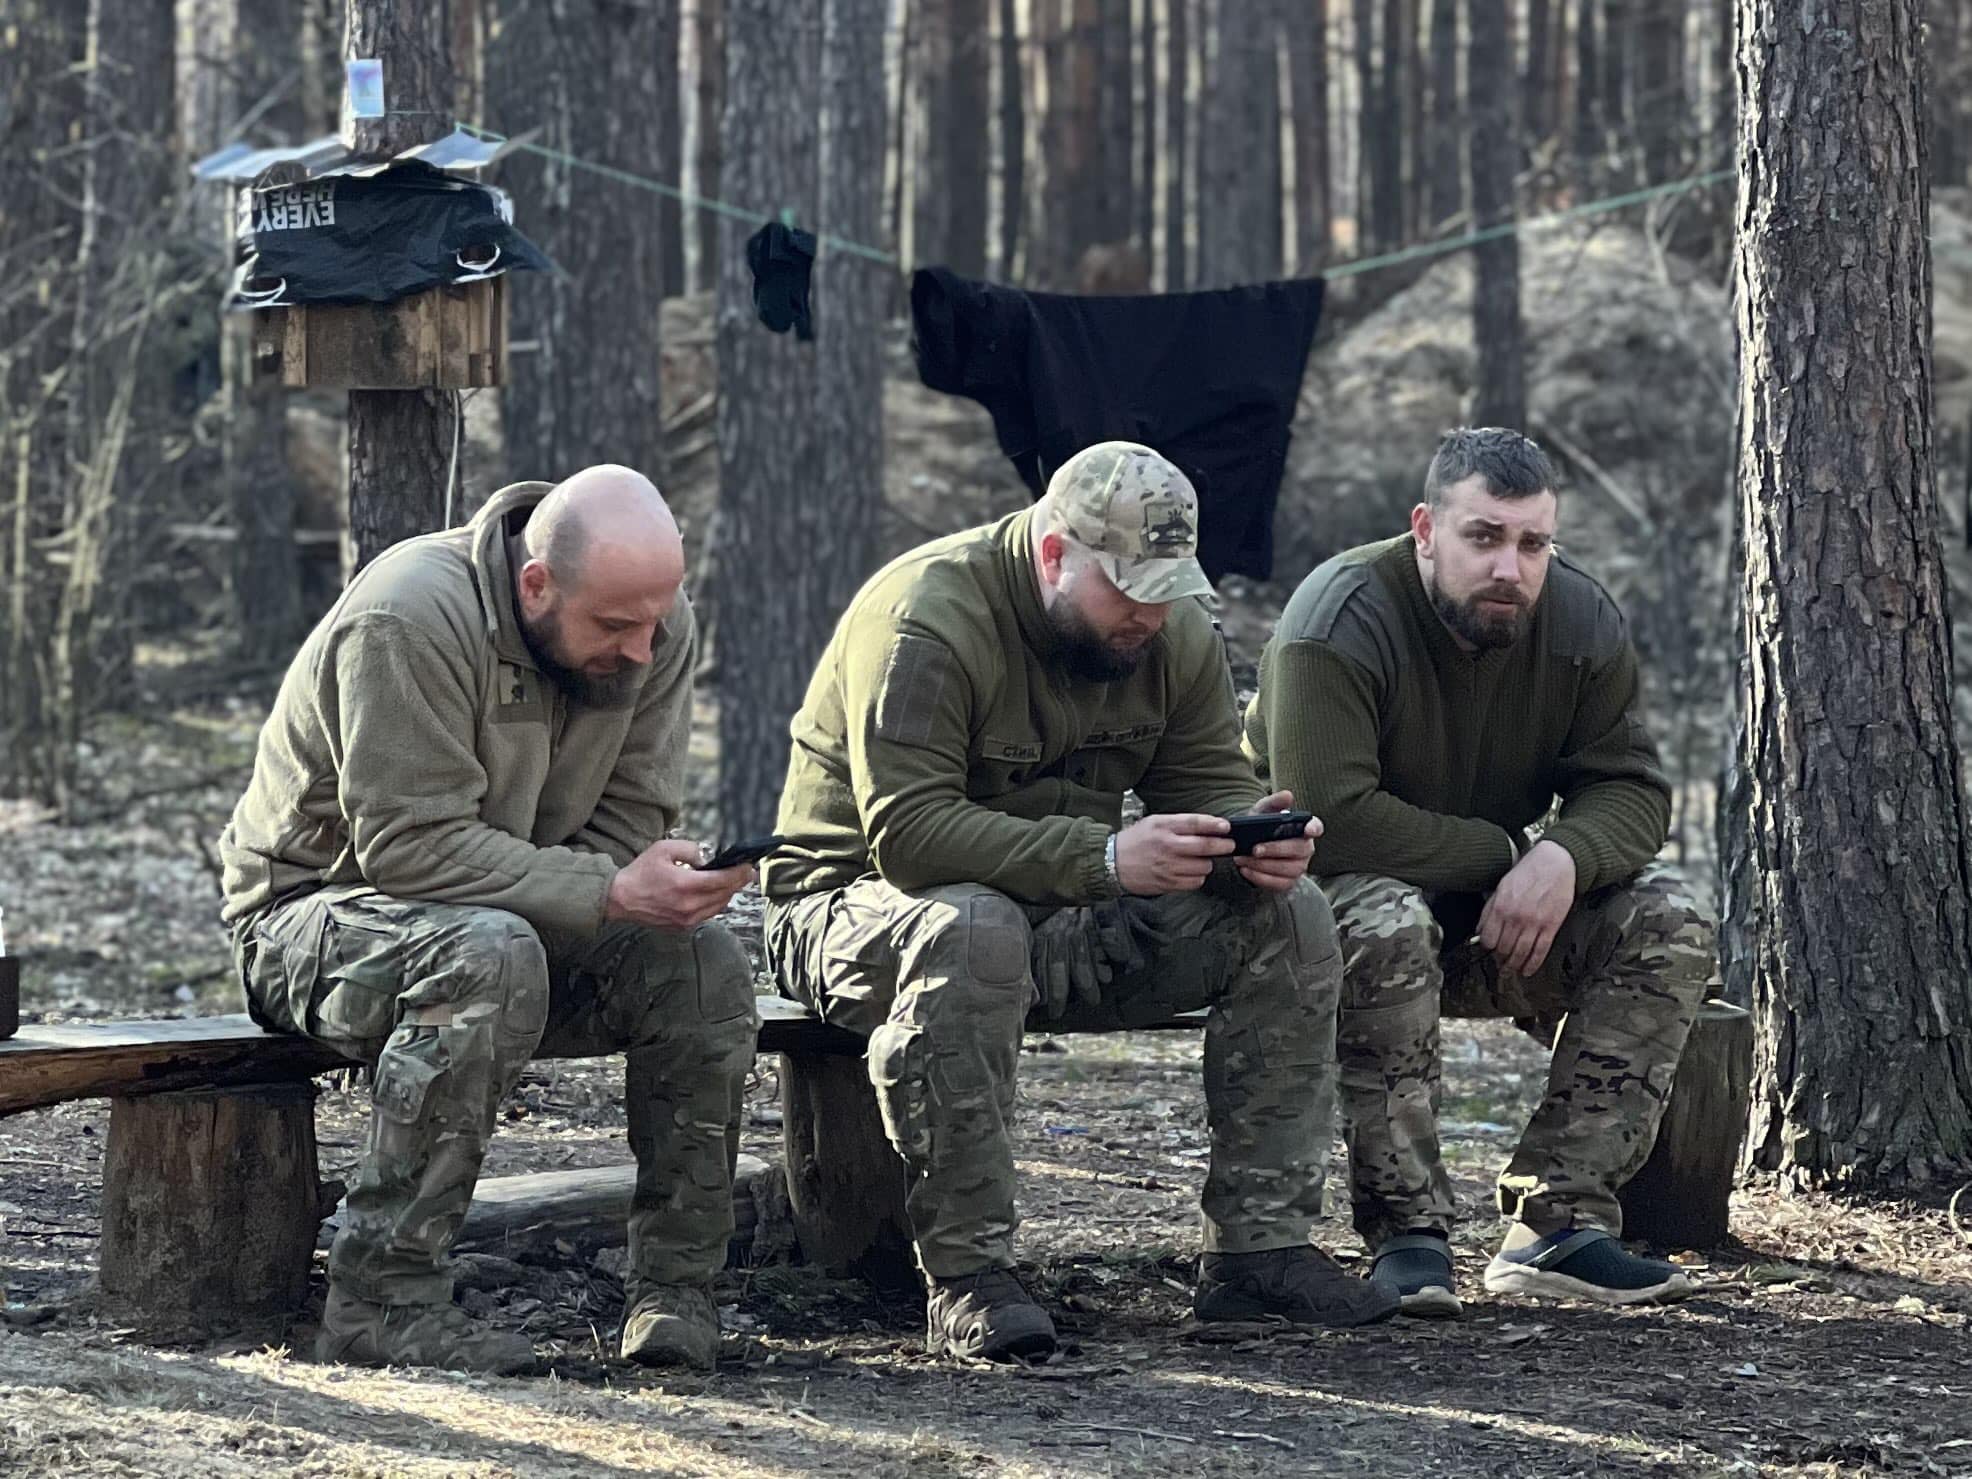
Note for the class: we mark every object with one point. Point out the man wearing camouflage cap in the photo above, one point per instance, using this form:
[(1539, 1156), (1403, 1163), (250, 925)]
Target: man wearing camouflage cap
[(958, 869)]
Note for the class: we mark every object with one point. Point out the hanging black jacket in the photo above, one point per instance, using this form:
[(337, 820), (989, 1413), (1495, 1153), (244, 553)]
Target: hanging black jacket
[(1208, 379)]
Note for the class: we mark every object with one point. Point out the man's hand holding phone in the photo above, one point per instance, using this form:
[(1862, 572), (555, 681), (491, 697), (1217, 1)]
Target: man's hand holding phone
[(666, 886)]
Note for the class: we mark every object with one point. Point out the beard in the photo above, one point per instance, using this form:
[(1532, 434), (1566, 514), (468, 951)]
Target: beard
[(1086, 653), (1484, 630), (615, 690)]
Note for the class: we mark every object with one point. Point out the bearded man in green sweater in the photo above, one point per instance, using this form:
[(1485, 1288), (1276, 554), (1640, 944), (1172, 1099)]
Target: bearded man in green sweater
[(1431, 697)]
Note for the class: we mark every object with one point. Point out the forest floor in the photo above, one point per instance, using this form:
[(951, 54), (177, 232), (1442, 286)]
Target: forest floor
[(1827, 1339)]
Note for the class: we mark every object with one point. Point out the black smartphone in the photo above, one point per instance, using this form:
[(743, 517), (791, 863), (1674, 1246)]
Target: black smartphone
[(1256, 827), (750, 851)]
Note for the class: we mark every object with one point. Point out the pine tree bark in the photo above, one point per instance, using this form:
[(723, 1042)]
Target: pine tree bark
[(1144, 188), (1116, 122), (1500, 398), (40, 229), (260, 485), (1862, 932), (852, 292), (1588, 98), (1369, 121), (588, 392), (1536, 78), (1448, 130), (708, 109), (772, 582), (1239, 196), (1617, 93), (970, 95), (1177, 115), (1387, 151), (1305, 28), (400, 441), (1013, 136), (116, 390), (1660, 101)]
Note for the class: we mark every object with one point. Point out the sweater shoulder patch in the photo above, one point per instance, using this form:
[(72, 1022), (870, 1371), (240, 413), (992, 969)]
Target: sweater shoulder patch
[(1584, 620), (915, 674)]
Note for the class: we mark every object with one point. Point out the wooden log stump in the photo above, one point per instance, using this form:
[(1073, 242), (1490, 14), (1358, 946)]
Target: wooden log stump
[(210, 1205), (1680, 1197), (845, 1180)]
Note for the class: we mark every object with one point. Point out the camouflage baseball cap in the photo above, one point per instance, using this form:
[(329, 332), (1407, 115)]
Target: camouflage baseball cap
[(1138, 513)]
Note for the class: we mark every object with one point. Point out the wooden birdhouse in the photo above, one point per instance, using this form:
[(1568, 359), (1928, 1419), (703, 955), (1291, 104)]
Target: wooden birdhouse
[(447, 338)]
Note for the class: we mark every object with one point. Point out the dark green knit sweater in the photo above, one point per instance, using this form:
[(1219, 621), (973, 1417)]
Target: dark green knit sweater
[(1421, 758)]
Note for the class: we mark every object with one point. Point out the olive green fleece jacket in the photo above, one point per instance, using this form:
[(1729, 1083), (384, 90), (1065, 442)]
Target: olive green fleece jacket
[(1421, 758), (415, 747), (941, 741)]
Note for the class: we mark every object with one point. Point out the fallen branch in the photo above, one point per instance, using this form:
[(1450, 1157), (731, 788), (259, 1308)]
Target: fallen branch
[(1951, 1211), (1140, 1432)]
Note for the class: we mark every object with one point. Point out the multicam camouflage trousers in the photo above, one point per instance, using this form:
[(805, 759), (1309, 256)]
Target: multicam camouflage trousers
[(449, 1002), (942, 983), (1622, 982)]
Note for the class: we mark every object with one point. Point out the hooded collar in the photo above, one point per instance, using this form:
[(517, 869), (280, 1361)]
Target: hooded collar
[(505, 512)]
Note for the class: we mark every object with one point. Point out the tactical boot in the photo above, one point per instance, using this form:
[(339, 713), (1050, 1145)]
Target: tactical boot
[(1302, 1285), (987, 1314), (1582, 1263), (671, 1325), (360, 1333)]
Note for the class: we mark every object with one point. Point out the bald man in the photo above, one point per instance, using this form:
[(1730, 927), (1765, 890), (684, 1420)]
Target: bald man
[(452, 857)]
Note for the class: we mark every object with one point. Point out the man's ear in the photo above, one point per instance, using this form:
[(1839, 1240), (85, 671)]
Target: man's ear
[(1423, 530), (1053, 547), (535, 584)]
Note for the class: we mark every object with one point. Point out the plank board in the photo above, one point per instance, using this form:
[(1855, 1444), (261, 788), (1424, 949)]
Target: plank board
[(50, 1064)]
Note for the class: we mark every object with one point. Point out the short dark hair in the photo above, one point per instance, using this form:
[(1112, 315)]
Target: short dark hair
[(1512, 465)]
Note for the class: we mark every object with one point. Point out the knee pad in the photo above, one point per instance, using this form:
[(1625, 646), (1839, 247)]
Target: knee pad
[(725, 978), (982, 934), (1310, 924), (493, 969)]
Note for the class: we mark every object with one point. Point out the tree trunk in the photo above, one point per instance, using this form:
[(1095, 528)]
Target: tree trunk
[(670, 74), (773, 584), (968, 95), (1536, 79), (708, 72), (1448, 129), (1500, 398), (1177, 105), (40, 228), (400, 441), (589, 390), (1387, 157), (1145, 188), (1305, 24), (210, 1205), (1681, 1196), (260, 485), (1115, 121), (1013, 137), (1239, 196), (948, 85), (1369, 121), (847, 1182), (1861, 951), (1588, 100), (1660, 102), (1616, 96), (1072, 198), (116, 390), (852, 292), (1417, 164)]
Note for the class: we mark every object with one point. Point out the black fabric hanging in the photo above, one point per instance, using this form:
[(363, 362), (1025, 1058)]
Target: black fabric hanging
[(781, 259), (1208, 379)]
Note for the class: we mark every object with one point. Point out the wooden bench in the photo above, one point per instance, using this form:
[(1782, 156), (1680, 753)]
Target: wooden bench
[(212, 1199)]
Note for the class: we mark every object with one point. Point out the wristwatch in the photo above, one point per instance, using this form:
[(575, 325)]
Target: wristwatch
[(1109, 863)]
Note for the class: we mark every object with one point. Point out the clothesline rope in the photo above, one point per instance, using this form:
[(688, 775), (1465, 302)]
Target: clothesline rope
[(1341, 269)]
